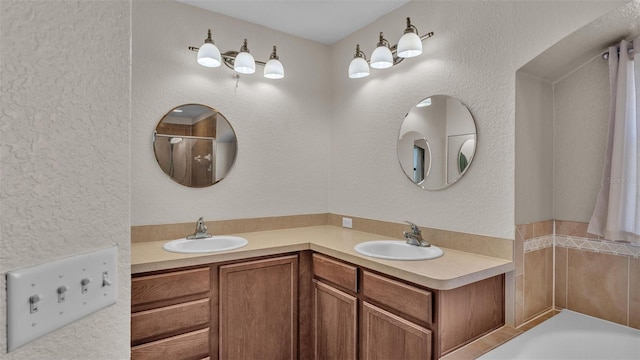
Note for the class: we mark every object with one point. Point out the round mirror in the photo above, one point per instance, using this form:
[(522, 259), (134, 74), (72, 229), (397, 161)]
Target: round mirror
[(195, 145), (437, 141)]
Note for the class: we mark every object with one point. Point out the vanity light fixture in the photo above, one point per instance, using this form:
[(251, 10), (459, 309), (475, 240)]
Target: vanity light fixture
[(385, 55), (240, 61)]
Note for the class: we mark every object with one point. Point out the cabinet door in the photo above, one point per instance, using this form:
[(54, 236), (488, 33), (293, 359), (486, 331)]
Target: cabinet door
[(334, 323), (387, 336), (258, 309)]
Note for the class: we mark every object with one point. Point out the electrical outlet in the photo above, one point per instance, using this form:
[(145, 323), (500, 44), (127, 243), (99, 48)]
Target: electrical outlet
[(346, 222), (45, 297)]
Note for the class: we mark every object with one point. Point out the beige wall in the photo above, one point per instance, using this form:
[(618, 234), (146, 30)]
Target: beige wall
[(534, 149), (581, 107), (64, 183), (577, 76), (474, 55), (333, 148), (282, 125)]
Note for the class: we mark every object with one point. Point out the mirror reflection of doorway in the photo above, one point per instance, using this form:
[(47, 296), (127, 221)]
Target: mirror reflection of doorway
[(418, 164), (421, 160)]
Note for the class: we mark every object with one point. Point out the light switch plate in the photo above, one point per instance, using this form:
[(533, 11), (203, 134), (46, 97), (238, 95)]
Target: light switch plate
[(46, 297)]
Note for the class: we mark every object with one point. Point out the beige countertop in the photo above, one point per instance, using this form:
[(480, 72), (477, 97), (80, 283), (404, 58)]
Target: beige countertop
[(453, 269)]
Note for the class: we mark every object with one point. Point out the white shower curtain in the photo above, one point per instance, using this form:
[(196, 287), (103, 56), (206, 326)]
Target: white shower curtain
[(617, 213)]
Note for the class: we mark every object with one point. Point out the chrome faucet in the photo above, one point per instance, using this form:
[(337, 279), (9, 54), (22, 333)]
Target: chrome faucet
[(415, 236), (201, 231)]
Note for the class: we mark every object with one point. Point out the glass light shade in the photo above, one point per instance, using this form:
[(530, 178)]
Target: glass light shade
[(381, 58), (424, 103), (358, 68), (273, 69), (409, 45), (244, 63), (209, 55)]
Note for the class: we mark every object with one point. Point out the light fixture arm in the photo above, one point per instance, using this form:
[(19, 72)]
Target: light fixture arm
[(209, 39), (359, 53), (383, 41), (244, 47), (274, 55), (410, 28)]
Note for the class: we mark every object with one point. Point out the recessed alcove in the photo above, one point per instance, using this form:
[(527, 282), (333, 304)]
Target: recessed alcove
[(562, 105)]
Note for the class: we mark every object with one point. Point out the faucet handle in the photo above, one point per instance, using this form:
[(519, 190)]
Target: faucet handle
[(414, 227)]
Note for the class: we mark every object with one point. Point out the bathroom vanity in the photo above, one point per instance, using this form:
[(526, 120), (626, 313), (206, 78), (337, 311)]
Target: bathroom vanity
[(306, 294)]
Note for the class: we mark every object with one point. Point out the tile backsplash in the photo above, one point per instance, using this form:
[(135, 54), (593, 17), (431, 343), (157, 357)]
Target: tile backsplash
[(565, 267)]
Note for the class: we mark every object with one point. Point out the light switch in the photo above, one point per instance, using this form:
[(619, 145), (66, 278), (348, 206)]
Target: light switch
[(33, 303), (62, 290), (45, 297), (84, 285)]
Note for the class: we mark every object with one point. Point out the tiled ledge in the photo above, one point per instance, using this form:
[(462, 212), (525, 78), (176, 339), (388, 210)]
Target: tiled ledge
[(570, 234), (599, 246), (476, 244), (538, 243)]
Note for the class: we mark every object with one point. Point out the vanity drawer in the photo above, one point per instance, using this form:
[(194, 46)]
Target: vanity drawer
[(168, 321), (171, 288), (398, 296), (193, 345), (339, 273)]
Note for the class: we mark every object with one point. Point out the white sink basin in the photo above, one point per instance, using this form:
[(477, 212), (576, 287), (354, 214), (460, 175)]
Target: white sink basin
[(397, 250), (212, 244)]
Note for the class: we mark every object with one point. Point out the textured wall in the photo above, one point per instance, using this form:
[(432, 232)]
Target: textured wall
[(581, 107), (282, 125), (477, 48), (285, 146), (534, 149), (64, 184)]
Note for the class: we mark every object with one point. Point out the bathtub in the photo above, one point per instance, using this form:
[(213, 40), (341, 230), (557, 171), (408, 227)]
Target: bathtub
[(571, 335)]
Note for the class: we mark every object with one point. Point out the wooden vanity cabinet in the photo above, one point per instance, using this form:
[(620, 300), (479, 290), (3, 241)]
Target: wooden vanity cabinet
[(347, 324), (393, 319), (304, 306), (170, 315), (258, 306)]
